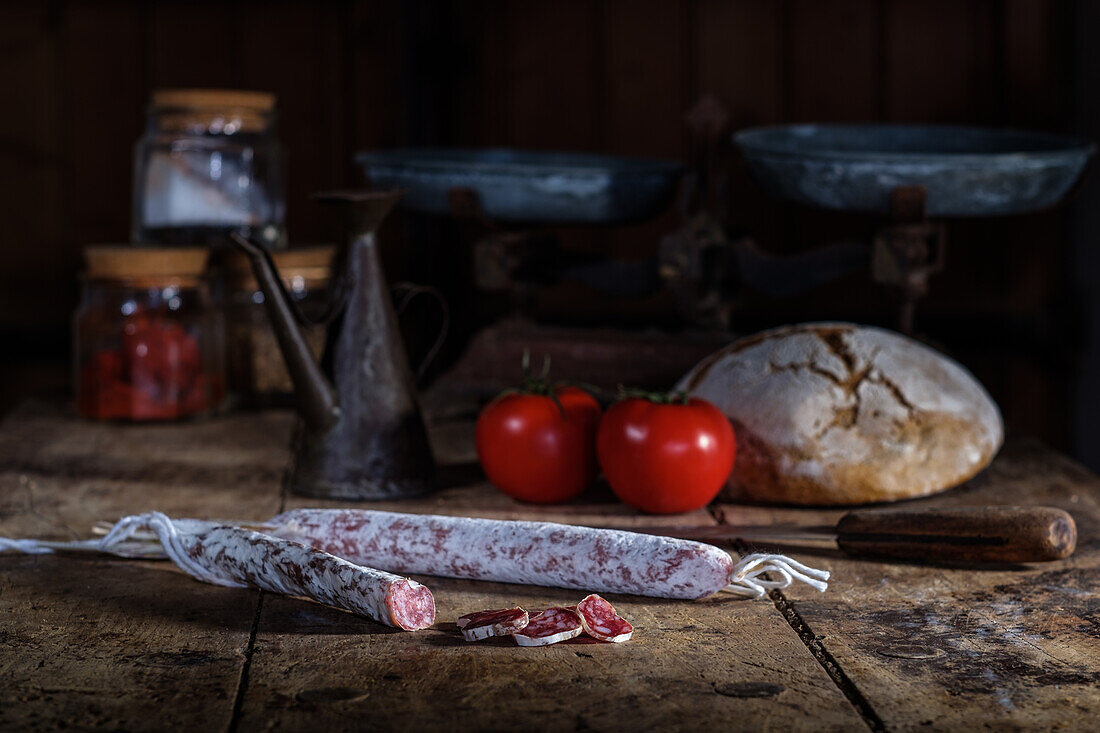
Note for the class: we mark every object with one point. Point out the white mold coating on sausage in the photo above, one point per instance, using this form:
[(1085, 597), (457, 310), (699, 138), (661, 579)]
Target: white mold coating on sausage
[(529, 553), (236, 556)]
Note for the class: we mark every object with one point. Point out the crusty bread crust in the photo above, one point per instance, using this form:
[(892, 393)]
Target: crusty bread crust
[(834, 413)]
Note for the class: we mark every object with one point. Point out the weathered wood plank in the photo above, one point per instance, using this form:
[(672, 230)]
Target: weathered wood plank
[(115, 644), (689, 664), (60, 471), (945, 648), (119, 644)]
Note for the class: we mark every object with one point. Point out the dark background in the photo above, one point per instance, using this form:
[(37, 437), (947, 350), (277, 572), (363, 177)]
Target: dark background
[(1015, 304)]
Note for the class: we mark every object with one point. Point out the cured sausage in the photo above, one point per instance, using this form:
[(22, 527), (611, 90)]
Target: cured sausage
[(531, 553), (550, 627), (599, 620), (238, 557), (535, 553), (246, 558), (484, 624), (233, 556)]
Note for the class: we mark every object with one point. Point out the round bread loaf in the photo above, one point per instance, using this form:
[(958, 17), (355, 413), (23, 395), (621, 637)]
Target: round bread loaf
[(834, 413)]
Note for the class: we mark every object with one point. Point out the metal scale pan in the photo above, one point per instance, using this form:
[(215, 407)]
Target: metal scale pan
[(965, 171), (528, 187)]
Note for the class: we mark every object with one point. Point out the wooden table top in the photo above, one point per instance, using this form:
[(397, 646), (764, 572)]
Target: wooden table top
[(108, 643)]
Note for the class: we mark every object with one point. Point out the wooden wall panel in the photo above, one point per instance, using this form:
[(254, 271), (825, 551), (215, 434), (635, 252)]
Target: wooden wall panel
[(105, 81), (739, 58), (833, 74), (1035, 55), (194, 44), (482, 46), (295, 51), (30, 169), (939, 60), (556, 97), (373, 86), (646, 98), (647, 71)]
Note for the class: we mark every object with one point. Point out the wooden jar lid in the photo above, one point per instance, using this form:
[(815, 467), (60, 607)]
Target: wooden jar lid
[(228, 99), (313, 264), (127, 262), (221, 111)]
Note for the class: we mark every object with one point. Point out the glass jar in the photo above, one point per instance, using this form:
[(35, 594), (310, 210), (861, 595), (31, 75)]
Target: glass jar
[(257, 373), (148, 342), (209, 164)]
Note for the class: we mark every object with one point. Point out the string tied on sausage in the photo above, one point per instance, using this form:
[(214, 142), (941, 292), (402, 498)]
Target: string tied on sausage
[(169, 536), (746, 580), (116, 542), (29, 547)]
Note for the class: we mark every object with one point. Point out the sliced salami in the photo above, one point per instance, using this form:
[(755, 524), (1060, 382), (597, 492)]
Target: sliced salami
[(550, 627), (599, 620), (485, 624)]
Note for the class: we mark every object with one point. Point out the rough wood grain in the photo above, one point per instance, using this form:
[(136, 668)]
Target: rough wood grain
[(722, 662), (114, 644), (944, 648), (127, 645), (62, 472), (689, 665)]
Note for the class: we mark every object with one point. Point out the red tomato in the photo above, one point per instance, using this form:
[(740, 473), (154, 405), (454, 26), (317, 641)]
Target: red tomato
[(532, 452), (665, 458)]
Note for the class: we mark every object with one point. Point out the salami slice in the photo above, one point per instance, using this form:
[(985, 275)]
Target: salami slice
[(485, 624), (599, 620), (550, 627)]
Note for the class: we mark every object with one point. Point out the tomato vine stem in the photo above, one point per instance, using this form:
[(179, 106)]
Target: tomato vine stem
[(673, 397)]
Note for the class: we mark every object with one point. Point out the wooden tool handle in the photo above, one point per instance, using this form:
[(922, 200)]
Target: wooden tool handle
[(1006, 534)]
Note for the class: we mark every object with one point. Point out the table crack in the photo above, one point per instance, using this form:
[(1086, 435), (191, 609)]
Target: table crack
[(809, 639), (827, 661), (250, 647), (242, 680)]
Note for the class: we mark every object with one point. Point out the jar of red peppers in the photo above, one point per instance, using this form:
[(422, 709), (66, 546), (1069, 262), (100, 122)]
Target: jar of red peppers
[(148, 341)]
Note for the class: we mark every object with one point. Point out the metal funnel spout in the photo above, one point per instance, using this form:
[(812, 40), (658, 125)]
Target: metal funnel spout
[(362, 211), (316, 401)]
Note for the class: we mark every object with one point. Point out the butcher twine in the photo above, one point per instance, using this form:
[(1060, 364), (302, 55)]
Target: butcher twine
[(165, 529), (745, 579)]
